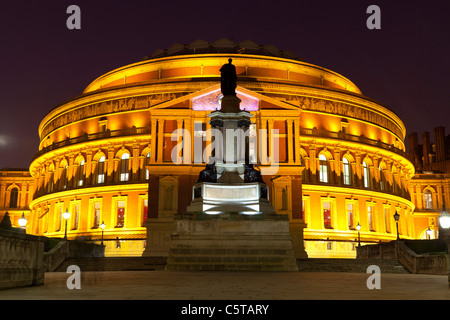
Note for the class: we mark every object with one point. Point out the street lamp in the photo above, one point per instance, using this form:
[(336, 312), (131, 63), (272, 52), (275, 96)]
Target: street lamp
[(102, 226), (358, 227), (444, 218), (23, 221), (66, 216), (429, 233), (396, 218)]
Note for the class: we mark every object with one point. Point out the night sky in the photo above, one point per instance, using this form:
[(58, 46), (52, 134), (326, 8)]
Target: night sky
[(405, 65)]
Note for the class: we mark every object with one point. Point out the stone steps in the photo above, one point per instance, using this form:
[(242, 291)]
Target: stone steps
[(231, 259), (245, 262), (349, 265), (115, 264)]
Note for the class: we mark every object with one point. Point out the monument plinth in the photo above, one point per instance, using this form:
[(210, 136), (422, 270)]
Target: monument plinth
[(230, 224)]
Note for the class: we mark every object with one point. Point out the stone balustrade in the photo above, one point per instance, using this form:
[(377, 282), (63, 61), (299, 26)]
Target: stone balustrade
[(413, 262), (21, 262)]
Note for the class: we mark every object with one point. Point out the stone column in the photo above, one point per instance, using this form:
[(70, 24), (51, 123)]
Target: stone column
[(297, 141), (296, 223), (160, 138), (290, 144), (153, 140)]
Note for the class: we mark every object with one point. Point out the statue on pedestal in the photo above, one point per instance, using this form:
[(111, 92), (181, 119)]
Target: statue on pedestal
[(208, 174), (228, 79), (251, 174)]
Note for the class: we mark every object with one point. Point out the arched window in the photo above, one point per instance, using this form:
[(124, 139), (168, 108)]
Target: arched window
[(124, 167), (80, 174), (366, 175), (428, 199), (101, 170), (381, 179), (323, 169), (147, 173), (346, 171), (64, 177), (13, 197)]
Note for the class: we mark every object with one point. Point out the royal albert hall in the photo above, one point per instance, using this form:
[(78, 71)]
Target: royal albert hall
[(105, 156)]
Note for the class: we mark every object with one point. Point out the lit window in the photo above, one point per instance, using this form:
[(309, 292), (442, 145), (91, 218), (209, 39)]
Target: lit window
[(64, 177), (147, 173), (346, 171), (323, 169), (350, 215), (381, 178), (80, 173), (428, 199), (370, 217), (76, 216), (365, 175), (101, 170), (97, 211), (327, 215), (124, 167), (120, 214), (13, 197), (145, 208), (386, 220)]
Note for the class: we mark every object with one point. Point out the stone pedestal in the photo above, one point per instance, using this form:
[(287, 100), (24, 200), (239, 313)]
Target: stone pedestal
[(159, 232), (231, 242)]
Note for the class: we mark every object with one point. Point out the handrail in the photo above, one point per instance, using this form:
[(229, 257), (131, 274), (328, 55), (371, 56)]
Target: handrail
[(56, 256)]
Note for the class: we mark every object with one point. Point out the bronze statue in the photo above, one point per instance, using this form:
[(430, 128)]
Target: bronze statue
[(228, 78), (209, 174), (251, 174)]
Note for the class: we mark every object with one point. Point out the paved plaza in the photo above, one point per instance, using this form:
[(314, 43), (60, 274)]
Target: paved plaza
[(174, 285)]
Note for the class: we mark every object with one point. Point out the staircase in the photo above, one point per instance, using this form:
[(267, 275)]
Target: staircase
[(349, 265), (230, 259), (115, 264)]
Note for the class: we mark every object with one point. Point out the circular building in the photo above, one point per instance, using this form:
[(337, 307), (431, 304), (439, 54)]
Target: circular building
[(108, 154)]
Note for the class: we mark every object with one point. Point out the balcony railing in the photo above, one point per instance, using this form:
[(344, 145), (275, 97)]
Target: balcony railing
[(91, 137), (349, 137)]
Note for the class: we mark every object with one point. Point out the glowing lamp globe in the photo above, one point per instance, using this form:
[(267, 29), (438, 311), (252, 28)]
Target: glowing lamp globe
[(444, 219)]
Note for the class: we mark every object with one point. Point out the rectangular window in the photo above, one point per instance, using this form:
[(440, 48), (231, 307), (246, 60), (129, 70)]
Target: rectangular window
[(387, 220), (120, 214), (327, 215), (59, 217), (350, 215), (76, 216), (145, 209), (97, 212), (370, 217)]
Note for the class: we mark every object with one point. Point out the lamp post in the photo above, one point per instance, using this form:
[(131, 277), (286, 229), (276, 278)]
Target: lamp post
[(396, 218), (66, 216), (23, 221), (358, 227), (102, 226)]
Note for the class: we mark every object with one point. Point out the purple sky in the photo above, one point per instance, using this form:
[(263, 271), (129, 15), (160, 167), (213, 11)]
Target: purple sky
[(405, 65)]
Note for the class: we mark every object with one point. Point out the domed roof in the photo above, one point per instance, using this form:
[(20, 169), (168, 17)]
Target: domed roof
[(221, 46)]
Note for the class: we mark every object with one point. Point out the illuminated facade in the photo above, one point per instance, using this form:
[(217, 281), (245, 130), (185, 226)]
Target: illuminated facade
[(106, 155), (16, 191)]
